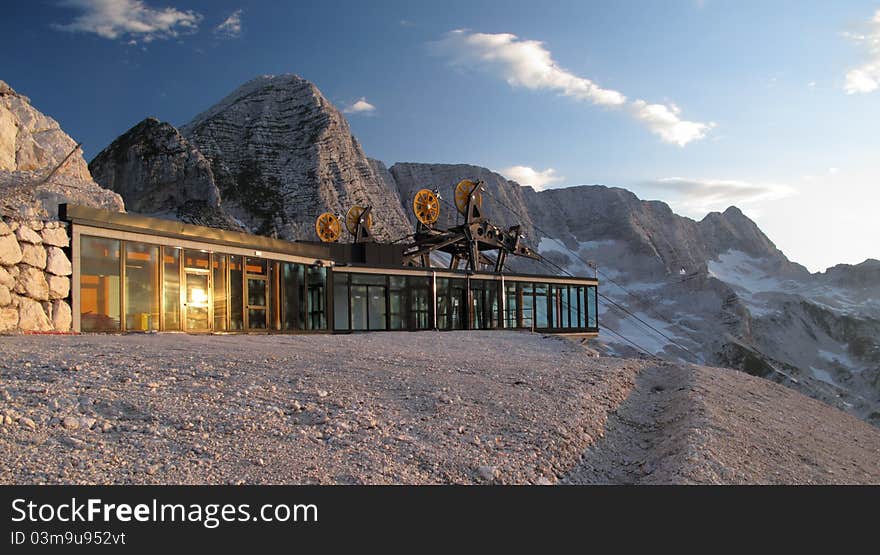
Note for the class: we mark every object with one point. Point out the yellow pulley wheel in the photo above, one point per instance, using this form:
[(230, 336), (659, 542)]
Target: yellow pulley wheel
[(353, 217), (426, 206), (328, 227), (463, 192)]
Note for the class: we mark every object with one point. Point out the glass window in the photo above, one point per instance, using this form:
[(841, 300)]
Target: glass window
[(340, 301), (377, 307), (256, 318), (478, 306), (236, 294), (359, 307), (492, 304), (171, 276), (256, 292), (142, 289), (317, 283), (219, 270), (457, 303), (420, 307), (397, 302), (99, 284), (196, 260), (197, 301), (541, 305), (443, 303), (257, 266), (593, 317), (511, 306), (528, 305), (292, 307), (572, 296)]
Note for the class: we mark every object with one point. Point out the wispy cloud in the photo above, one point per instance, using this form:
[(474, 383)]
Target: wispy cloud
[(528, 64), (697, 197), (130, 19), (524, 175), (866, 77), (360, 106), (230, 28)]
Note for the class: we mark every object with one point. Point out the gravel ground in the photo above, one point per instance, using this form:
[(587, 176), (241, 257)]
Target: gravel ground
[(387, 408)]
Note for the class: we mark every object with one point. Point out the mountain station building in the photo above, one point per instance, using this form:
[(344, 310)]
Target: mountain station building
[(135, 273)]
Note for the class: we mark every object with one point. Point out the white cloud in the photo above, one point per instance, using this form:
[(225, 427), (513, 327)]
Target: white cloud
[(866, 77), (360, 106), (697, 197), (231, 26), (132, 19), (528, 64), (664, 120), (525, 175)]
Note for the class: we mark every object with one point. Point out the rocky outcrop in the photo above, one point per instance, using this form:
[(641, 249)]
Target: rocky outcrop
[(35, 282), (158, 172), (40, 165), (281, 154), (648, 230)]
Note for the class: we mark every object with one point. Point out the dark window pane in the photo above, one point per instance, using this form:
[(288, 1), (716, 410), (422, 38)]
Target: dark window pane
[(443, 303), (376, 294), (528, 305), (236, 294), (367, 279), (358, 307), (511, 305), (141, 287), (99, 284), (340, 301), (256, 292), (291, 296), (317, 284), (256, 318), (256, 266), (397, 310), (171, 301), (420, 305)]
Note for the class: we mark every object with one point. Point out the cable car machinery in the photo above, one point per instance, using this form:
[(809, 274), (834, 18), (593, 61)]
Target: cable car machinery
[(476, 242)]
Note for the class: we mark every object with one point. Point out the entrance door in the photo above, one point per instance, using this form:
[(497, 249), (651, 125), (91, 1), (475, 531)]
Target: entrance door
[(197, 301)]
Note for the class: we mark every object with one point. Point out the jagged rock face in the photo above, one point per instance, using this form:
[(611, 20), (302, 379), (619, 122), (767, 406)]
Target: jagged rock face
[(32, 145), (281, 154), (863, 276), (158, 172), (649, 231)]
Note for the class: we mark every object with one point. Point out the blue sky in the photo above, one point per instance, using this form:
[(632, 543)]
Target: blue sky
[(772, 106)]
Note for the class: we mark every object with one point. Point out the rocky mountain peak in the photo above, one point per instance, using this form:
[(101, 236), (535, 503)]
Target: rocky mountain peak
[(158, 172), (281, 154)]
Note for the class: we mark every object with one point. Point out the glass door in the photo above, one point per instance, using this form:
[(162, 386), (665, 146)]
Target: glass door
[(196, 301)]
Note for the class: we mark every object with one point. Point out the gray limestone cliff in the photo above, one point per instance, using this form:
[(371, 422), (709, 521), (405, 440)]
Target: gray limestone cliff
[(158, 172), (281, 154)]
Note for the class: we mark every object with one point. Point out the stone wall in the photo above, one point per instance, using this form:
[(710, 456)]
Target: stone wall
[(34, 277)]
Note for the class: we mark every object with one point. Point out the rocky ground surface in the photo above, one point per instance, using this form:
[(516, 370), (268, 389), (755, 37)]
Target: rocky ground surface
[(476, 407)]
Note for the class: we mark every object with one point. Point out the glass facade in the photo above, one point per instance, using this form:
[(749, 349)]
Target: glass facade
[(134, 286), (141, 291), (99, 284)]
